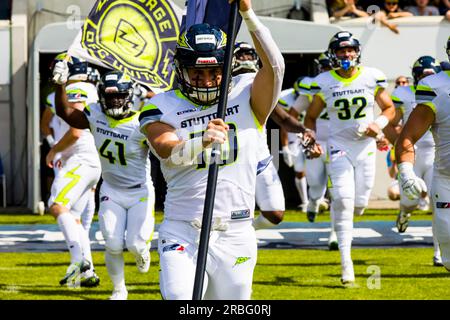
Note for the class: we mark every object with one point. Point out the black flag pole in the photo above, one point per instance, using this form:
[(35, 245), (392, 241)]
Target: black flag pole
[(215, 157)]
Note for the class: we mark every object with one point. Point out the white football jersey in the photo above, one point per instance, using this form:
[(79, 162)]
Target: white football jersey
[(405, 101), (350, 103), (84, 147), (430, 86), (235, 193), (438, 87), (123, 149)]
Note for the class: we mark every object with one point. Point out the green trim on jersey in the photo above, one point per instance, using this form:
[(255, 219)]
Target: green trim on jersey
[(61, 198), (259, 126), (113, 123), (322, 97), (346, 81), (431, 105)]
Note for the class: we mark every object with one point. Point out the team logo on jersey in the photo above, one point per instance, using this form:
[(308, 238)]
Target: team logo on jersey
[(136, 37), (241, 260), (240, 214), (443, 205), (104, 198), (174, 247)]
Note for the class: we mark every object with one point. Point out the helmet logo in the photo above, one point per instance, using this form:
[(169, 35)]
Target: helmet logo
[(205, 38), (211, 60), (110, 77)]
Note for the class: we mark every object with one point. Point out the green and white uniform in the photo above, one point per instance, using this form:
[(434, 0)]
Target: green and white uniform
[(232, 246), (350, 104), (434, 91), (405, 101), (80, 164), (126, 195)]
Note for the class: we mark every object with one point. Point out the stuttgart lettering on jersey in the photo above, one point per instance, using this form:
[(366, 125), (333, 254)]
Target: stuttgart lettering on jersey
[(112, 134), (348, 92), (208, 117)]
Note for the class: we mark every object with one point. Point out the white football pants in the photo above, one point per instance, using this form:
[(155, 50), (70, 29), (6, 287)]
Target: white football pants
[(230, 263)]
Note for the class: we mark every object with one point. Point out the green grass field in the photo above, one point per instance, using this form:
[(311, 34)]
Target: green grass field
[(292, 274)]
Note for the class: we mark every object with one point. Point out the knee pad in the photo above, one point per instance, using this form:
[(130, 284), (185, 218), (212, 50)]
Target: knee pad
[(114, 246), (343, 214)]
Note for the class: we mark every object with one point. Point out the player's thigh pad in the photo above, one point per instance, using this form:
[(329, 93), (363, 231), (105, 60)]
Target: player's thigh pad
[(342, 178), (440, 195), (269, 191), (364, 180)]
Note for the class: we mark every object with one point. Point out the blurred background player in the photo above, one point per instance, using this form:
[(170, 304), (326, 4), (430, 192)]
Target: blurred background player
[(432, 110), (126, 209), (77, 171), (405, 102), (349, 92), (269, 191), (401, 81), (291, 147)]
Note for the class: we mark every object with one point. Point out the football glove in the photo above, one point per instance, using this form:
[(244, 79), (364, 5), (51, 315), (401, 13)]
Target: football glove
[(60, 72), (413, 187)]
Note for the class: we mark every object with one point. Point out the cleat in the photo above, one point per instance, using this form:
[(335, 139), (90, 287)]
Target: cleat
[(73, 272), (348, 274), (332, 242), (358, 211), (349, 284), (120, 294), (402, 221), (312, 209), (311, 216), (437, 262), (143, 262), (302, 207), (89, 279)]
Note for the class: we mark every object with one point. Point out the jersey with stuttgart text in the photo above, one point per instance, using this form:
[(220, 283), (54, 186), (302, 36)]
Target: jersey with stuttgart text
[(186, 184), (350, 103), (405, 101), (123, 149), (439, 88), (84, 147)]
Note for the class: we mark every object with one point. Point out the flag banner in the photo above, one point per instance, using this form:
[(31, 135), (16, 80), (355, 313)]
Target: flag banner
[(213, 12), (133, 36)]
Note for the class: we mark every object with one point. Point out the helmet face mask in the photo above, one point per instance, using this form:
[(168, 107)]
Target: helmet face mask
[(115, 91), (246, 59), (342, 40), (201, 47), (425, 66)]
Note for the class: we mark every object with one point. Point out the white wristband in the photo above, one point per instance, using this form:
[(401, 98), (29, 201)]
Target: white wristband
[(50, 140), (186, 152), (382, 121), (251, 19), (405, 168)]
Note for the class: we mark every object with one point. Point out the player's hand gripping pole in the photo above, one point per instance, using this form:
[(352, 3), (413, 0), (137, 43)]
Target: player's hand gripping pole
[(215, 157)]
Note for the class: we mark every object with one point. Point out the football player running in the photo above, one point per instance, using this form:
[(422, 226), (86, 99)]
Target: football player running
[(77, 170), (349, 92), (432, 98), (269, 191), (181, 126), (126, 209), (405, 102)]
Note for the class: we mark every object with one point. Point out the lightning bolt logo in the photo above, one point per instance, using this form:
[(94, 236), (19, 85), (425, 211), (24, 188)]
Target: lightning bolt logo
[(167, 60), (122, 36)]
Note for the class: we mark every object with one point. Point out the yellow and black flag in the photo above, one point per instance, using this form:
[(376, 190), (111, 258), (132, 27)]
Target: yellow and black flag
[(133, 36)]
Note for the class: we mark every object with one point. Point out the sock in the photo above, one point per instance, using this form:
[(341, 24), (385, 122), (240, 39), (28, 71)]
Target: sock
[(69, 228), (302, 189), (261, 222), (85, 245), (88, 213), (345, 244), (115, 266), (437, 251)]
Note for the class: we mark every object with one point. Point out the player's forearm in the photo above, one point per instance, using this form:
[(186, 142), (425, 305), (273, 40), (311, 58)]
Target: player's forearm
[(310, 122), (391, 133), (66, 141), (286, 121), (404, 149)]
